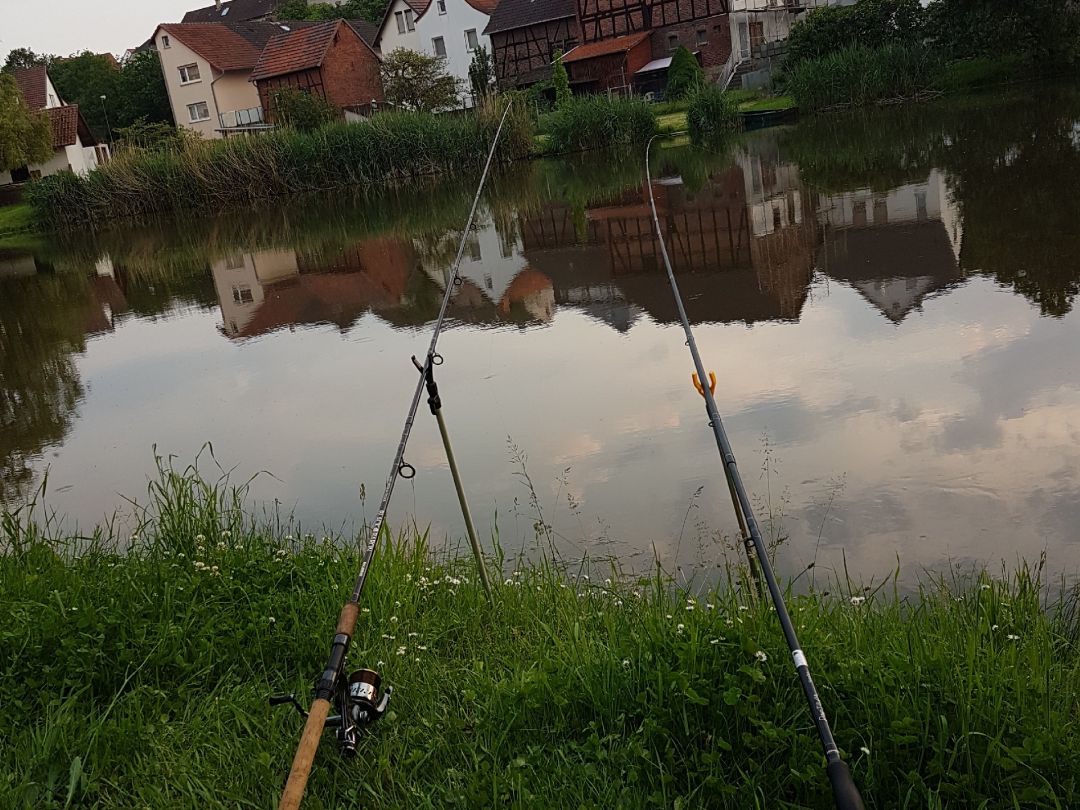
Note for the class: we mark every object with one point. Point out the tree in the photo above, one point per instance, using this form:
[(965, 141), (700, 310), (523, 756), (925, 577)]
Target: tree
[(141, 93), (561, 82), (481, 73), (83, 80), (684, 75), (419, 82), (20, 58), (25, 135)]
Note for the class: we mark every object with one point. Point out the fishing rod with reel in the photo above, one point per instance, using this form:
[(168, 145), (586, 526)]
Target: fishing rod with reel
[(358, 698), (845, 793)]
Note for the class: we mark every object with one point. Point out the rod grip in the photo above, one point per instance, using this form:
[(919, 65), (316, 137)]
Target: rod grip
[(845, 794), (346, 622), (305, 755)]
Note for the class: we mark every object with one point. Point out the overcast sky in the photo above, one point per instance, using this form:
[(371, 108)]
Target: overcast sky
[(69, 26)]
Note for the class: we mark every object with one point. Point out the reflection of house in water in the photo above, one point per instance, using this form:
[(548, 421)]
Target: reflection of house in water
[(497, 280), (896, 248), (606, 259), (267, 290)]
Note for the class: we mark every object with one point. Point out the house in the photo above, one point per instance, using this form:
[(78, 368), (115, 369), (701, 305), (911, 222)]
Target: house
[(451, 29), (330, 59), (207, 68), (525, 35), (74, 146), (233, 11)]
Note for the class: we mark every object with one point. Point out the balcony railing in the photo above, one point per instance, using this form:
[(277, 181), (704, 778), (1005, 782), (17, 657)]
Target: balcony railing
[(240, 119)]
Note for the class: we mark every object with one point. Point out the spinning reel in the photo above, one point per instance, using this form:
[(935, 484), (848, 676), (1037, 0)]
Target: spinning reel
[(358, 703)]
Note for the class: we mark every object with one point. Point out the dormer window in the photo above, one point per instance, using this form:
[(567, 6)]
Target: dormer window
[(225, 10)]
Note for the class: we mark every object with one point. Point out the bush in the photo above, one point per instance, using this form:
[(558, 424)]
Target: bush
[(684, 76), (561, 82), (856, 75), (212, 175), (712, 114), (868, 23), (294, 108), (591, 122)]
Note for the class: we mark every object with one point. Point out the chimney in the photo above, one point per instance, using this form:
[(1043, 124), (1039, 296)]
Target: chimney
[(218, 4)]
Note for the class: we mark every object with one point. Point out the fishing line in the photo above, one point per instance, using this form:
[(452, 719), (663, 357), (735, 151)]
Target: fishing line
[(358, 701), (845, 793)]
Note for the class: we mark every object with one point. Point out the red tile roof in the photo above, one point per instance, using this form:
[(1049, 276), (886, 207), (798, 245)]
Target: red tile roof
[(67, 123), (418, 6), (217, 44), (297, 50), (605, 47), (32, 84), (483, 6)]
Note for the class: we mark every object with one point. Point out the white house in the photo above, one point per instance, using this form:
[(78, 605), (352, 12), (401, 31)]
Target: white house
[(74, 146), (451, 29)]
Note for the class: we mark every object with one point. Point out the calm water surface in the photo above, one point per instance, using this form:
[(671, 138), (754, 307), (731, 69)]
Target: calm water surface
[(887, 300)]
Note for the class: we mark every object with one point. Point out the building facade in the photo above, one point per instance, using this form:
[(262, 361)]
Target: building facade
[(525, 36), (450, 29)]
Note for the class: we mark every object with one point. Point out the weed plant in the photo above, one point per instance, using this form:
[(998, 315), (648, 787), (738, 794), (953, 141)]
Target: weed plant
[(712, 114), (136, 674)]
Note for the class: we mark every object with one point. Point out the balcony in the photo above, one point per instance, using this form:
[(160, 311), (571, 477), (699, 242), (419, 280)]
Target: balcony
[(249, 120)]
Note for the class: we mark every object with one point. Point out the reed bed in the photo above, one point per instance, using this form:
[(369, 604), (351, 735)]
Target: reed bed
[(136, 671), (597, 122), (856, 76), (712, 114), (210, 176)]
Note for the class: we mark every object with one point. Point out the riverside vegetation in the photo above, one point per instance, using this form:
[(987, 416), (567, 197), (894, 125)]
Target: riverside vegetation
[(136, 674)]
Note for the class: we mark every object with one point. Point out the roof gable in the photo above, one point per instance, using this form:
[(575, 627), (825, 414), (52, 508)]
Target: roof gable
[(300, 49), (604, 47), (220, 45), (33, 83), (68, 124), (509, 14)]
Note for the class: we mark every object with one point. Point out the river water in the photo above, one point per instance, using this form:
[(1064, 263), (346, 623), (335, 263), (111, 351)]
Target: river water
[(887, 299)]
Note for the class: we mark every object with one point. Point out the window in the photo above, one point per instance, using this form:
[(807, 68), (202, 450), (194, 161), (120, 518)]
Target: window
[(440, 46), (702, 37), (471, 42), (404, 21), (672, 41), (52, 100), (441, 5), (189, 74), (409, 19), (165, 41), (198, 112), (472, 245), (399, 17), (234, 261), (242, 295)]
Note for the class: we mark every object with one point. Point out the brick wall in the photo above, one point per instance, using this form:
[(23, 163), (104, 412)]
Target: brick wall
[(714, 52), (351, 71)]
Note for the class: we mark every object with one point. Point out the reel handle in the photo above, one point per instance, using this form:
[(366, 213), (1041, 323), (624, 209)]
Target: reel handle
[(305, 755)]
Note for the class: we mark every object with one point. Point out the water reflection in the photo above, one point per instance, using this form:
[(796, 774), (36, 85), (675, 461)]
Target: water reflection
[(887, 296)]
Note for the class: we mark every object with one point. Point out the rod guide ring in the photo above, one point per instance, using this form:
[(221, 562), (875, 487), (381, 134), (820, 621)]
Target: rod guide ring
[(406, 470)]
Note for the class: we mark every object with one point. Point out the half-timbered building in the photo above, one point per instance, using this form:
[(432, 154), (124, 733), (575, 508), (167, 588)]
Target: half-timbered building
[(525, 35)]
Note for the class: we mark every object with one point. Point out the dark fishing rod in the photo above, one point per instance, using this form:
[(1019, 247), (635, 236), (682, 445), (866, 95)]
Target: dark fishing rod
[(845, 793), (357, 698)]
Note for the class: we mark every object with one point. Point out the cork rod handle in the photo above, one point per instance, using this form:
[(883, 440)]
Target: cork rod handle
[(305, 755)]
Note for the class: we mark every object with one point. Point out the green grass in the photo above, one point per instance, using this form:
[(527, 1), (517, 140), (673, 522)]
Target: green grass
[(16, 219), (139, 678), (671, 122), (767, 104), (596, 121)]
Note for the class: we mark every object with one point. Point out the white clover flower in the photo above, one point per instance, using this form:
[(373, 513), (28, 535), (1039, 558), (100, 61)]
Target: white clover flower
[(714, 641), (401, 650), (221, 545), (508, 582), (984, 587), (1012, 637), (761, 656), (743, 607), (857, 600), (709, 606), (397, 604), (365, 610), (679, 628), (670, 616), (226, 534), (618, 602), (607, 582), (422, 648), (380, 664), (864, 749), (689, 608), (288, 538), (214, 568), (200, 538), (626, 663), (413, 635), (993, 627), (729, 622), (393, 620), (272, 620), (958, 598)]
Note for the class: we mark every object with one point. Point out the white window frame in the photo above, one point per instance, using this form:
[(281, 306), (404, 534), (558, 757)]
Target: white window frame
[(435, 48), (470, 47), (441, 6), (165, 41), (191, 112), (185, 73)]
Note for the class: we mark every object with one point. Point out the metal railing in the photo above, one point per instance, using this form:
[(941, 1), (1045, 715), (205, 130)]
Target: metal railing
[(241, 118)]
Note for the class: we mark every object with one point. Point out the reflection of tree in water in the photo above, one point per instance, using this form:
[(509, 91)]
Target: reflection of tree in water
[(1012, 164), (42, 323)]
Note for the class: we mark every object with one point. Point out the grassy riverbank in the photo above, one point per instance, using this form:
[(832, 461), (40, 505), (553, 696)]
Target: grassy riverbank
[(139, 679)]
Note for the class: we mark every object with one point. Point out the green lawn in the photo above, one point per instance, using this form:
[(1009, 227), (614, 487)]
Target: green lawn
[(15, 218), (139, 679), (676, 121)]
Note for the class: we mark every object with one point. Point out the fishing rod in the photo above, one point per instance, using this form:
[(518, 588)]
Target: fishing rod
[(357, 698), (845, 793)]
